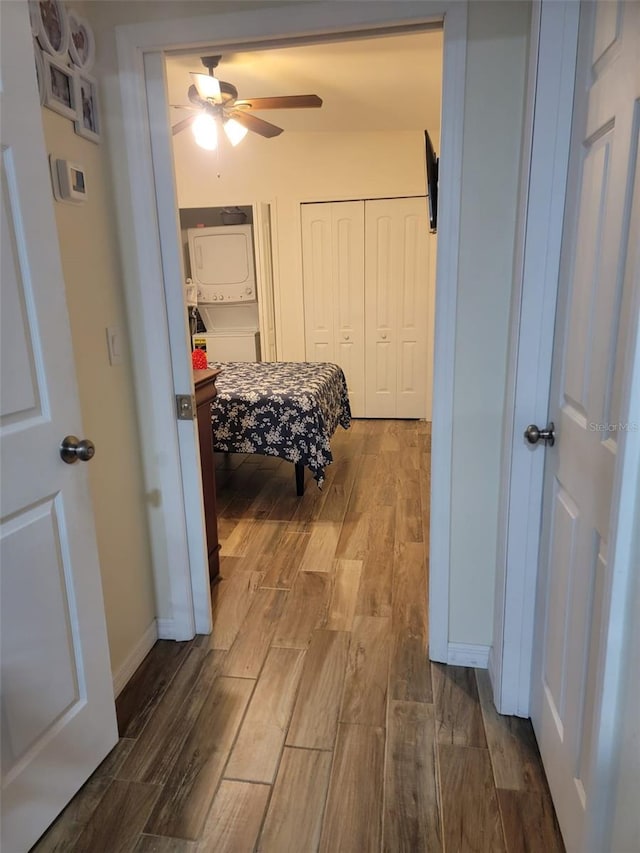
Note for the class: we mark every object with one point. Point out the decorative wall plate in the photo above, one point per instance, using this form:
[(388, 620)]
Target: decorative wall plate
[(82, 45), (34, 17), (53, 23)]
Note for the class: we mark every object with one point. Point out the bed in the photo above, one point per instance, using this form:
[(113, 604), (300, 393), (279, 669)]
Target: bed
[(285, 409)]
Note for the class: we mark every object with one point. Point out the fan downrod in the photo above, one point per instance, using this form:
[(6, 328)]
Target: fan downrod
[(210, 62)]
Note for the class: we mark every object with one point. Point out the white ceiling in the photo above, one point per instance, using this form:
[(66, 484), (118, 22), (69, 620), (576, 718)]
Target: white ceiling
[(384, 83)]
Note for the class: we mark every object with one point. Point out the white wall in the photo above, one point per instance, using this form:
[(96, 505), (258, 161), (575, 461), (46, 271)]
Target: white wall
[(293, 168), (494, 108), (95, 300)]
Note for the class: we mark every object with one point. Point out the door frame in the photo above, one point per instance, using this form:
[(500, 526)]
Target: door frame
[(539, 234), (147, 227)]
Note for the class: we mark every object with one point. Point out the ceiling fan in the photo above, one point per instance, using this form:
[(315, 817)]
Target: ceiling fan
[(215, 101)]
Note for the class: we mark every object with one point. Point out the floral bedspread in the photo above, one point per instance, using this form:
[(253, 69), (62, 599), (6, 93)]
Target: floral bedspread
[(285, 409)]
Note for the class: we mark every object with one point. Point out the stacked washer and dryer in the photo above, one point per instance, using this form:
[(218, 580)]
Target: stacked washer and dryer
[(223, 280)]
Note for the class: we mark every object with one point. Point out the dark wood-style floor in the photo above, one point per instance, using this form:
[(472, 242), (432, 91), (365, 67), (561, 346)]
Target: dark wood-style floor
[(311, 718)]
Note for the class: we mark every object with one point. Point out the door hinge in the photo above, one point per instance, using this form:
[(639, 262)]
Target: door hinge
[(185, 407)]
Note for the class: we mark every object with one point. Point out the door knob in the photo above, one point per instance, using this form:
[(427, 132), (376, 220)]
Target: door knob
[(384, 336), (533, 434), (73, 449)]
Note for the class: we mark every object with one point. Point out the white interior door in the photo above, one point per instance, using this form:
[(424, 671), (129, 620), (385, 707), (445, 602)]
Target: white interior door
[(266, 306), (317, 281), (347, 227), (573, 612), (333, 278), (58, 717), (383, 254), (396, 307), (414, 310)]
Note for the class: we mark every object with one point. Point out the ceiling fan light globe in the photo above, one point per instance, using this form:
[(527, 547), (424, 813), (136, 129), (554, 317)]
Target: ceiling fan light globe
[(235, 131), (205, 132), (208, 87)]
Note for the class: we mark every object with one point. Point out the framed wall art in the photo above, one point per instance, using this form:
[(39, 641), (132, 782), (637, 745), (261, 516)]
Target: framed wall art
[(50, 17), (37, 55), (82, 46), (60, 91), (88, 115)]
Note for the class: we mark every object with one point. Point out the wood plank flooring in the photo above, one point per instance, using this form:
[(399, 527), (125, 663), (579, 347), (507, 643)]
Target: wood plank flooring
[(311, 719)]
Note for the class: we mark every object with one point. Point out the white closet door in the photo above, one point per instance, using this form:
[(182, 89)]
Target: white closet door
[(317, 282), (381, 263), (396, 308), (333, 280), (413, 310), (347, 223)]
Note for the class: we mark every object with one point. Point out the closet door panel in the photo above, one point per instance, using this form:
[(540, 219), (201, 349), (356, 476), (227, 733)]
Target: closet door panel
[(347, 221), (317, 280), (381, 262), (413, 309)]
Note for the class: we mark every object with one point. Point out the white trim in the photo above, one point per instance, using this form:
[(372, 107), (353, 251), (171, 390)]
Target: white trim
[(496, 659), (491, 666), (166, 469), (530, 352), (450, 179), (467, 654), (138, 653), (179, 343), (166, 629), (138, 230)]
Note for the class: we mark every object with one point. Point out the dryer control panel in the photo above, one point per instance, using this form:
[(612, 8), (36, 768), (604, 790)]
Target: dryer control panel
[(222, 265)]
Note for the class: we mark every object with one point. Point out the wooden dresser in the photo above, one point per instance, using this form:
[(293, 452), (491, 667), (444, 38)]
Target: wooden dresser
[(205, 385)]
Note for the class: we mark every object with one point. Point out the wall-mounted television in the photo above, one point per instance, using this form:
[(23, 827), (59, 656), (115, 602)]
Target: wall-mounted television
[(432, 182)]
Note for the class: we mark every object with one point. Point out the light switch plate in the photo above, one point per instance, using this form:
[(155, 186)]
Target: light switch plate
[(114, 344)]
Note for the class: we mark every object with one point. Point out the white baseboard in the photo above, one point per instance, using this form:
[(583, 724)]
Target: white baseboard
[(465, 654), (135, 657), (166, 629), (491, 666)]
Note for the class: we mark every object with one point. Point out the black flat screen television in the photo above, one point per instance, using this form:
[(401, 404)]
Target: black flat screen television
[(432, 182)]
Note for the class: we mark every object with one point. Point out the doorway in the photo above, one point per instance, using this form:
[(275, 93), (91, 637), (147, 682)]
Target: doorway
[(163, 162)]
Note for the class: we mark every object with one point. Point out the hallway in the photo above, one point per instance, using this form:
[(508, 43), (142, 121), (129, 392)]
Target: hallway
[(311, 718)]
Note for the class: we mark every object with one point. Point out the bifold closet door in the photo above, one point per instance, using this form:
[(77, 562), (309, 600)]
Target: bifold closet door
[(333, 281), (396, 308)]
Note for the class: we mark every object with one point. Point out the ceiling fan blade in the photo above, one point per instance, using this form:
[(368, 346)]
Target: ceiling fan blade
[(257, 125), (189, 107), (285, 102), (182, 124)]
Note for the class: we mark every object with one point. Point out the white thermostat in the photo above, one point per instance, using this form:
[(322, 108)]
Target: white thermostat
[(69, 182)]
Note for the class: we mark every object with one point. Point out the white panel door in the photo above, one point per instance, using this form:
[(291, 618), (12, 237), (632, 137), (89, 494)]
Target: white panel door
[(396, 308), (333, 277), (58, 717), (317, 278), (413, 317), (347, 227), (572, 615), (382, 261)]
